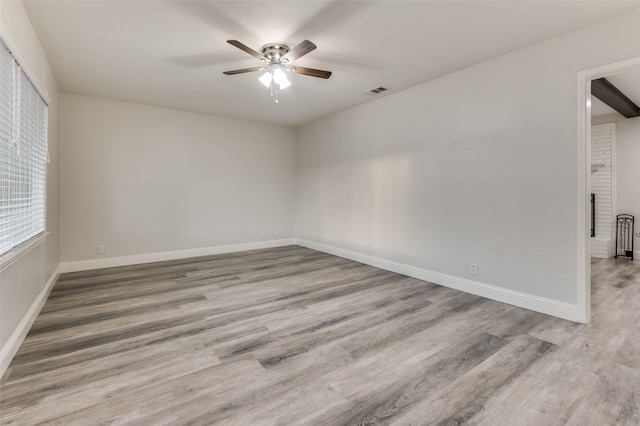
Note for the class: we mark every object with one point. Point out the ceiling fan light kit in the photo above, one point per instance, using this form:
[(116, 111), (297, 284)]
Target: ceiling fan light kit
[(276, 58), (275, 79)]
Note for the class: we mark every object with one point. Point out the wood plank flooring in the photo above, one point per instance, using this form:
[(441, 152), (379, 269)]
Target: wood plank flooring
[(291, 336)]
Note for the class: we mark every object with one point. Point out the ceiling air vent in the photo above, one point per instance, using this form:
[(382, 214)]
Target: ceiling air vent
[(377, 90)]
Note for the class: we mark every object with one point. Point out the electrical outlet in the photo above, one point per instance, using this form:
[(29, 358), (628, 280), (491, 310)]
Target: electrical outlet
[(474, 269), (276, 232), (263, 233), (100, 249)]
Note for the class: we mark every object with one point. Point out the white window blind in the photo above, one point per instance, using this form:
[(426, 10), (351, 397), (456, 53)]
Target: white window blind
[(23, 155)]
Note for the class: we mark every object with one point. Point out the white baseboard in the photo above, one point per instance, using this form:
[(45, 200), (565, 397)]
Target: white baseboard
[(17, 337), (109, 262), (524, 300)]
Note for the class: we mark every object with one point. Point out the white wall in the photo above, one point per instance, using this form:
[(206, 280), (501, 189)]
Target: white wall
[(477, 166), (24, 280), (142, 179), (628, 172)]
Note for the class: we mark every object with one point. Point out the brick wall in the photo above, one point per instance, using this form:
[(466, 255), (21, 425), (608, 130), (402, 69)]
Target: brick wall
[(602, 137)]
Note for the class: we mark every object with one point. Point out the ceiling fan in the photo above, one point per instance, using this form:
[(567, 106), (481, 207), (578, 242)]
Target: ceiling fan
[(277, 60)]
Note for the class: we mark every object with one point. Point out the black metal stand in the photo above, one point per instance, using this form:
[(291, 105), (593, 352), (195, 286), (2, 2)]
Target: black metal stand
[(624, 236)]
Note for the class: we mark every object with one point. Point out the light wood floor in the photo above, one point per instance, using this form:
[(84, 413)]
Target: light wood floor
[(292, 336)]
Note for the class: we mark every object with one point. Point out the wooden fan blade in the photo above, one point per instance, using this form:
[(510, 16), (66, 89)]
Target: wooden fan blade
[(242, 71), (300, 50), (246, 48), (312, 72)]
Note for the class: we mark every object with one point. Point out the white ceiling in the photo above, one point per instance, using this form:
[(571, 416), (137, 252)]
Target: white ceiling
[(599, 108), (172, 53)]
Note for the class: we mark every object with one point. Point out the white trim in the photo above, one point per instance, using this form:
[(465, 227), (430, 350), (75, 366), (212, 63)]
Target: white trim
[(17, 337), (583, 244), (109, 262), (9, 258), (524, 300)]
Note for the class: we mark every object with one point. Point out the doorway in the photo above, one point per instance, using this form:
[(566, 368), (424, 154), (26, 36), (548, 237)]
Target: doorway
[(584, 176)]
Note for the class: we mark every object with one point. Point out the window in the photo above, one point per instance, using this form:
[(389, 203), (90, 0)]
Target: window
[(23, 155)]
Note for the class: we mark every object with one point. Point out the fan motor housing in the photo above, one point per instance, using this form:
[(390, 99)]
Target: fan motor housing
[(275, 51)]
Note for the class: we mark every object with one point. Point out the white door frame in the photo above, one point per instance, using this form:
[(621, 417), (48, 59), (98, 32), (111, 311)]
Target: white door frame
[(584, 178)]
